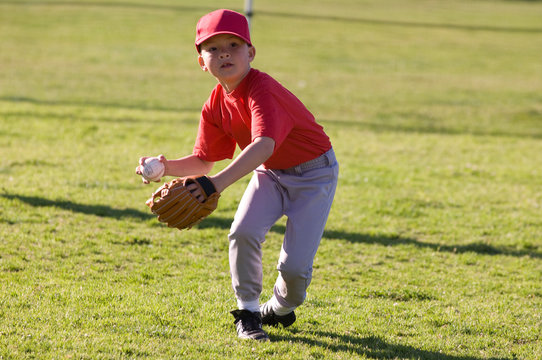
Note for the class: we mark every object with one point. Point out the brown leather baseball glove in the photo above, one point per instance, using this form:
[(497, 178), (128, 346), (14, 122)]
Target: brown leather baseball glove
[(176, 206)]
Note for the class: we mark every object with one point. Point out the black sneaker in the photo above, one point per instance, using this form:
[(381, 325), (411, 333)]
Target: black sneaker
[(249, 325), (270, 318)]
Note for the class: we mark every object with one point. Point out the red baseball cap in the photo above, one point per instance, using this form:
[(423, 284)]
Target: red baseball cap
[(222, 21)]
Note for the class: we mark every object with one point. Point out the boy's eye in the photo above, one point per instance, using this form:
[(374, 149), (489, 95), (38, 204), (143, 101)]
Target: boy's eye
[(234, 44)]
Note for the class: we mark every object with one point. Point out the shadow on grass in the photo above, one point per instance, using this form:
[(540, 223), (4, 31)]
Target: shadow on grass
[(98, 210), (372, 347), (400, 23), (511, 132), (104, 105), (532, 117), (349, 19), (224, 223), (390, 240)]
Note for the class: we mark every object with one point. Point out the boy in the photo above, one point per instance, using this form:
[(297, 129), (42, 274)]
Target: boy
[(294, 171)]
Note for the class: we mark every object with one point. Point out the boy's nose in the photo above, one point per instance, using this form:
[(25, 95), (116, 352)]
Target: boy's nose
[(224, 55)]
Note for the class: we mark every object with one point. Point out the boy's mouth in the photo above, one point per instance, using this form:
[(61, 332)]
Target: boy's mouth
[(226, 65)]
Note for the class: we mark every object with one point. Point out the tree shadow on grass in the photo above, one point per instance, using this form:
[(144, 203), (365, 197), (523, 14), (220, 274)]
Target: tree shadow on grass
[(372, 347), (532, 117), (306, 16), (434, 128), (391, 240), (104, 105), (98, 210), (225, 223)]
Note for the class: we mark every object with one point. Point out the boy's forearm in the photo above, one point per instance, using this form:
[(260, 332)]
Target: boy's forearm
[(249, 159), (189, 165)]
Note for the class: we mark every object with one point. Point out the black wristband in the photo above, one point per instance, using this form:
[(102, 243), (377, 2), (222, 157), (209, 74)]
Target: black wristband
[(207, 185)]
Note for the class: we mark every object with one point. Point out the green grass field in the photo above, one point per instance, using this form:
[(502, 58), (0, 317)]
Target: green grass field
[(433, 249)]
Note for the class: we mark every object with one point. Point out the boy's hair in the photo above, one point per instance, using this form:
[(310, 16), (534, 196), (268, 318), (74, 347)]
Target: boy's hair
[(222, 21)]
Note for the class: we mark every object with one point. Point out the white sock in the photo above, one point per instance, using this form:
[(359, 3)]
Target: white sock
[(278, 309), (253, 306)]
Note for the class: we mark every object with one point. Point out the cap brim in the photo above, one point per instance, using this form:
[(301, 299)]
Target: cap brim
[(202, 39)]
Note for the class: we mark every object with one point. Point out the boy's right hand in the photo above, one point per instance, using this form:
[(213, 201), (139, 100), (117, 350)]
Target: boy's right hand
[(139, 168)]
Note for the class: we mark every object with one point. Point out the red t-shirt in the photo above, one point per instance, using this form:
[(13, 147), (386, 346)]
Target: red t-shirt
[(259, 106)]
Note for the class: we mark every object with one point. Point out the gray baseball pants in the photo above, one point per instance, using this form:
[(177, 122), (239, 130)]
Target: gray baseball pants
[(304, 194)]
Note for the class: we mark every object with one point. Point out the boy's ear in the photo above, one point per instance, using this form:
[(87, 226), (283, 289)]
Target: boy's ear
[(202, 63), (251, 53)]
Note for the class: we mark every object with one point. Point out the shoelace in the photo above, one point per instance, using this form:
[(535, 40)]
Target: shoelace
[(249, 322)]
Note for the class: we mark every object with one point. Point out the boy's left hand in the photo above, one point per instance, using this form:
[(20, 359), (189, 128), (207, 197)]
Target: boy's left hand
[(184, 202), (196, 192)]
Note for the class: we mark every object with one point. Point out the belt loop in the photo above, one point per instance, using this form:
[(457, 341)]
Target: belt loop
[(326, 157), (329, 156)]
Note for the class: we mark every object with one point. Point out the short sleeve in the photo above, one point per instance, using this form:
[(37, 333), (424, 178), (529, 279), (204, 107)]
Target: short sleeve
[(212, 142), (269, 116)]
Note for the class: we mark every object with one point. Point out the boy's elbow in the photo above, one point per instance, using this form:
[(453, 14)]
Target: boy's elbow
[(267, 146), (207, 166)]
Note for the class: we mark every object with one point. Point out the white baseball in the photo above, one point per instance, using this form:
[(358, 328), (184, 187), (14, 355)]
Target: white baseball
[(153, 169)]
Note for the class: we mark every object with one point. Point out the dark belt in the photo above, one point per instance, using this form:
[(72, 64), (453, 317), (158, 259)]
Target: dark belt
[(324, 160)]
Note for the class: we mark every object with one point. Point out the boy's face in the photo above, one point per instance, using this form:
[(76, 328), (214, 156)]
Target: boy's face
[(226, 57)]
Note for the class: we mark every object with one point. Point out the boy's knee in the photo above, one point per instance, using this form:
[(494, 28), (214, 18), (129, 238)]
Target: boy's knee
[(244, 233), (292, 285), (294, 271)]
